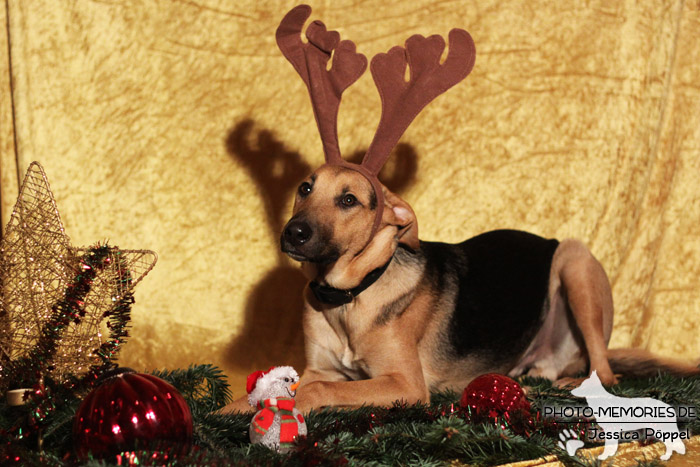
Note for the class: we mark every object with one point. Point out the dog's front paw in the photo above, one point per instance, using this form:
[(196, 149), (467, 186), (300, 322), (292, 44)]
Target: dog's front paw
[(310, 396), (238, 406)]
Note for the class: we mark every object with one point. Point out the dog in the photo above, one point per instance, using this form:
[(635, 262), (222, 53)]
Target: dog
[(390, 317), (439, 314), (617, 415)]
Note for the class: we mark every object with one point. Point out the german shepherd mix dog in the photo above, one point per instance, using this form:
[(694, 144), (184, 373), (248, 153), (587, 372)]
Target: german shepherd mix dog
[(390, 317)]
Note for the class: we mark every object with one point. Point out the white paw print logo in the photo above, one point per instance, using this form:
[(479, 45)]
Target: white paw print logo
[(569, 442)]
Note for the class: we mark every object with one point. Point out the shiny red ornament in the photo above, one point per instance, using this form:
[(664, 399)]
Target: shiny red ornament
[(493, 395), (130, 410)]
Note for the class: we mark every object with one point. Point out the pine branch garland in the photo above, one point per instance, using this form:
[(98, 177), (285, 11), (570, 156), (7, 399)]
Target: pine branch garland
[(203, 386), (430, 435)]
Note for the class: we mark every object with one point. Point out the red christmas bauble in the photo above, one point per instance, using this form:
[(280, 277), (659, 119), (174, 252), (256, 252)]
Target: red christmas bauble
[(130, 410), (493, 395)]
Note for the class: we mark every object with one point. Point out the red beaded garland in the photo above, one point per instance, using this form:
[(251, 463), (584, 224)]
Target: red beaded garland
[(127, 409), (493, 395)]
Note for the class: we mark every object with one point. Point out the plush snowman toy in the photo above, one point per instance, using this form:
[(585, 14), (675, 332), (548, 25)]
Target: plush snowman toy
[(277, 423)]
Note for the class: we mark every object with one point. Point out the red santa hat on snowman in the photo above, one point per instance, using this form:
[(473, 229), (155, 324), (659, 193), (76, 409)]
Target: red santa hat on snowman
[(277, 381)]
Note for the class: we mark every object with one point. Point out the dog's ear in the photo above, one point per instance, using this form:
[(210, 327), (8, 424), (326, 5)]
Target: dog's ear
[(399, 213)]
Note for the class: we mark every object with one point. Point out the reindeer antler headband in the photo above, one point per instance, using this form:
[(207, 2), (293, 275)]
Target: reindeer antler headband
[(401, 100)]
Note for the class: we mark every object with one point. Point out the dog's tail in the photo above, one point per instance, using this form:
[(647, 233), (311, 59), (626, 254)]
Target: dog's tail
[(642, 363)]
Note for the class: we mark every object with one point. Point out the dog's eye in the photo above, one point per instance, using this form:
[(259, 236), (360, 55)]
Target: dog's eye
[(286, 380), (348, 200), (304, 189)]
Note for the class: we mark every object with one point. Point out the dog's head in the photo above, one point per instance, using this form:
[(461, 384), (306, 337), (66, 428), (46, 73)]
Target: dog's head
[(334, 214), (340, 208)]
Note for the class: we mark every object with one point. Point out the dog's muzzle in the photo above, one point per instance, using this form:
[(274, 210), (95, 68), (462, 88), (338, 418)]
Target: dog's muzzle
[(301, 242), (297, 233), (295, 237)]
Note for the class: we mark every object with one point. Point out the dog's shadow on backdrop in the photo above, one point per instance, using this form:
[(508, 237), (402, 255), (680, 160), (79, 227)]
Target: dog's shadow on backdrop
[(272, 330)]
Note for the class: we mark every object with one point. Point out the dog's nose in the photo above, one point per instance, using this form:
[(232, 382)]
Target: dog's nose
[(297, 233)]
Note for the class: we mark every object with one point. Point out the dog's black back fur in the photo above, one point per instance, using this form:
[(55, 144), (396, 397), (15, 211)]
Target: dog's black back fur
[(502, 278)]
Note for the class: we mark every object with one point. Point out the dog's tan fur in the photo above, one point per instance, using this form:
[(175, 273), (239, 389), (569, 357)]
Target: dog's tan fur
[(386, 344)]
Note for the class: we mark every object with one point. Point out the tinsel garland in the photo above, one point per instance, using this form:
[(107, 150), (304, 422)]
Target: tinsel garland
[(47, 394), (433, 434)]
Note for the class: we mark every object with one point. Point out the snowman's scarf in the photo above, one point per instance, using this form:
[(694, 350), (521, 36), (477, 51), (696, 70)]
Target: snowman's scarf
[(289, 428)]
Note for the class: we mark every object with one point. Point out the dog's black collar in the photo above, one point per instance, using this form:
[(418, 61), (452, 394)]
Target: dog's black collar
[(333, 296)]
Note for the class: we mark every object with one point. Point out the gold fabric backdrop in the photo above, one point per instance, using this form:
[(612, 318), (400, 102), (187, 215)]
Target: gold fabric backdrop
[(178, 126)]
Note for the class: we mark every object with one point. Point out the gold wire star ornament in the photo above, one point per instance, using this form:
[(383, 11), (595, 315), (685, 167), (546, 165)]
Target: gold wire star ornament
[(38, 271)]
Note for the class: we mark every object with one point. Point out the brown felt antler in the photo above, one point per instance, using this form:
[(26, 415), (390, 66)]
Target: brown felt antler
[(310, 60), (401, 100)]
